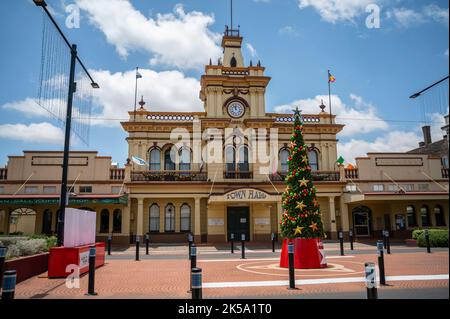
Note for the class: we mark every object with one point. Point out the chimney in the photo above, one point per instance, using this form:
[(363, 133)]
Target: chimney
[(426, 134)]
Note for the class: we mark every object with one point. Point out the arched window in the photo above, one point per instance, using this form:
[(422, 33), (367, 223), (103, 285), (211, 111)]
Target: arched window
[(230, 160), (313, 160), (439, 216), (185, 159), (425, 216), (284, 155), (185, 218), (56, 221), (411, 215), (47, 222), (117, 221), (243, 165), (169, 218), (169, 164), (155, 159), (22, 220), (233, 62), (2, 221), (154, 218), (104, 221)]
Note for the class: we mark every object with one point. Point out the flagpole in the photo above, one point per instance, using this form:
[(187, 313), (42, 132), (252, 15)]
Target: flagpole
[(329, 96), (135, 94)]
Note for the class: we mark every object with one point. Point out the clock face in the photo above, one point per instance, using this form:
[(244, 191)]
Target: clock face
[(236, 109)]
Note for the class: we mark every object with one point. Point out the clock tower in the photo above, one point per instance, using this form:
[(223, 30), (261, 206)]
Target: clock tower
[(230, 89)]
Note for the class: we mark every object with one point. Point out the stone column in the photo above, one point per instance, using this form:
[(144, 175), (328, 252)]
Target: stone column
[(111, 217), (345, 222), (140, 218), (332, 209), (126, 220), (197, 229), (177, 208)]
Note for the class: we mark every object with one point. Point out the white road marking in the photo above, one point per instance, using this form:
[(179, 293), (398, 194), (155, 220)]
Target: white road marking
[(261, 259), (301, 282)]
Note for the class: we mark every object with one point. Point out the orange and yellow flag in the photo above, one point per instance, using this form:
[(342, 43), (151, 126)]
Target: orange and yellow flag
[(331, 78)]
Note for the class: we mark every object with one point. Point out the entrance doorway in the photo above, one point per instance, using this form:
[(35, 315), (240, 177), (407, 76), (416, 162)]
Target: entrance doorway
[(238, 223), (361, 221)]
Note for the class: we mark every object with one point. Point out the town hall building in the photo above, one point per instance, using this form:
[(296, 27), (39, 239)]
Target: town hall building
[(221, 172)]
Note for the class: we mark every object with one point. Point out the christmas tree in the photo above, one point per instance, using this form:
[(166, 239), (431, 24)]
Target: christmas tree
[(301, 217)]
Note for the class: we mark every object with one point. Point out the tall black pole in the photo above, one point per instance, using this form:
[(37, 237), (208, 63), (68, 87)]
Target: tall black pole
[(329, 96), (231, 16), (65, 167), (135, 94)]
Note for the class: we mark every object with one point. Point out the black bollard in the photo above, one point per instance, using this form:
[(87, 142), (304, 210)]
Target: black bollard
[(371, 282), (138, 243), (427, 240), (243, 246), (3, 251), (350, 234), (190, 240), (193, 263), (388, 242), (109, 244), (196, 279), (384, 239), (291, 266), (381, 262), (341, 242), (147, 241), (273, 242), (9, 285), (91, 279), (232, 242)]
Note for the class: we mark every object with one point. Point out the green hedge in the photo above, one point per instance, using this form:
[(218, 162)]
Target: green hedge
[(26, 245), (438, 237)]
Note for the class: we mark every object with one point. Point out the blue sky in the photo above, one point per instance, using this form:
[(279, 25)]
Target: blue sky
[(296, 40)]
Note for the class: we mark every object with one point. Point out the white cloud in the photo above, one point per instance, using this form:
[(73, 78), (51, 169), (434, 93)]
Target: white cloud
[(251, 50), (359, 119), (437, 121), (42, 133), (395, 141), (167, 91), (436, 13), (408, 17), (334, 11), (405, 17), (177, 39), (28, 107)]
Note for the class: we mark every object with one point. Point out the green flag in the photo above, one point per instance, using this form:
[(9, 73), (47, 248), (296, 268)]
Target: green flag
[(340, 160)]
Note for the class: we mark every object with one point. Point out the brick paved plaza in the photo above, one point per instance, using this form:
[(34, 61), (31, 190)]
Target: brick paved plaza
[(164, 274)]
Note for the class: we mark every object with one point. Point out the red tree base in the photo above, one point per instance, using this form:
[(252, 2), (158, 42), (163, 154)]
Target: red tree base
[(308, 253)]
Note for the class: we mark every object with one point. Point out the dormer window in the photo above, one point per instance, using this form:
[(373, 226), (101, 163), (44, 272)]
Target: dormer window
[(233, 62)]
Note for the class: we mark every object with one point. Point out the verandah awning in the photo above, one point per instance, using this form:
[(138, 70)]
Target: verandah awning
[(54, 200)]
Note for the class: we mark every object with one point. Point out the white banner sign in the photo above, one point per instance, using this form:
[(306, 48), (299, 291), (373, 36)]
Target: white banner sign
[(79, 227)]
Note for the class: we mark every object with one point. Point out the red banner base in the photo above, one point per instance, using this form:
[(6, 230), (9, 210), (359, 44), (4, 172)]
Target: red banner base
[(308, 253), (61, 257)]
